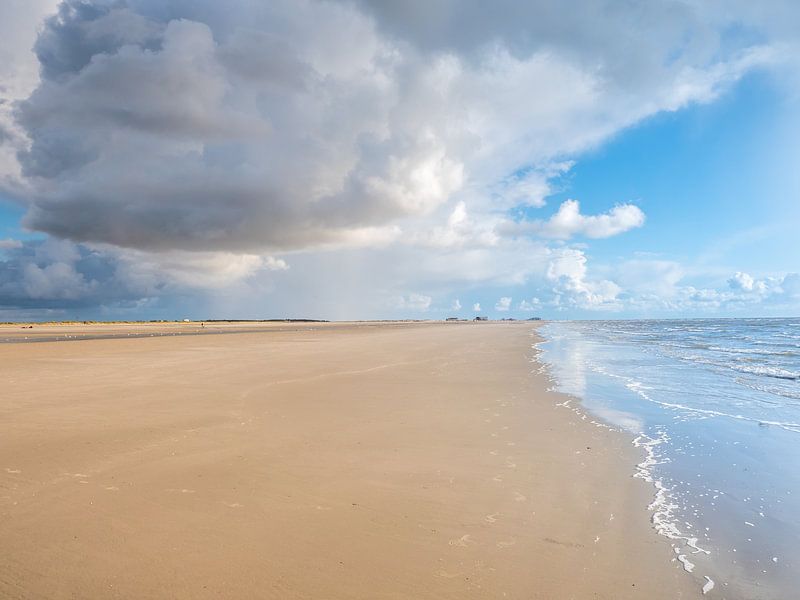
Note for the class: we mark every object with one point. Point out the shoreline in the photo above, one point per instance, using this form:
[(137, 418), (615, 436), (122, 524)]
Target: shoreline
[(659, 506), (418, 460)]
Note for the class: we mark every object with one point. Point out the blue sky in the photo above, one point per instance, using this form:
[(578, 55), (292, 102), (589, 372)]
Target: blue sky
[(177, 165), (704, 176), (709, 180), (719, 188), (10, 217)]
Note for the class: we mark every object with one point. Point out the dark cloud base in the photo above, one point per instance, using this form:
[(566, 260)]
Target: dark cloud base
[(47, 275)]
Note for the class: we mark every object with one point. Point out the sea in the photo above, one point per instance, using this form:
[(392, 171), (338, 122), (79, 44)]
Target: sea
[(714, 406)]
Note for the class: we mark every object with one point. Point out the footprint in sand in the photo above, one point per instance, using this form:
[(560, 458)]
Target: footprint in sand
[(497, 478), (112, 488), (447, 575), (493, 452), (181, 491), (506, 544), (13, 471), (463, 541), (562, 543), (492, 518), (510, 463), (519, 497), (233, 504)]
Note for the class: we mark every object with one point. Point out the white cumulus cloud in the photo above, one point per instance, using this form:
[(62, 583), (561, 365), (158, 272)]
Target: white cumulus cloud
[(503, 304), (414, 302), (569, 222), (530, 305), (742, 281), (572, 287)]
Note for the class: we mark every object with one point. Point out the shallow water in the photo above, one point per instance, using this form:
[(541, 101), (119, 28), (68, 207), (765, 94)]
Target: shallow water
[(715, 405)]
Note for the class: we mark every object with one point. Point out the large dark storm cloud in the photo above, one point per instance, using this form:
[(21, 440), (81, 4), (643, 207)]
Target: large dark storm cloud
[(253, 126)]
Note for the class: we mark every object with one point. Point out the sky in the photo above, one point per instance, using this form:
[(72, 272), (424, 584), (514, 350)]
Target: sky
[(168, 159)]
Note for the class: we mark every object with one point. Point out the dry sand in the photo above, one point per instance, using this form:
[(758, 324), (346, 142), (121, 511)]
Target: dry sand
[(313, 461)]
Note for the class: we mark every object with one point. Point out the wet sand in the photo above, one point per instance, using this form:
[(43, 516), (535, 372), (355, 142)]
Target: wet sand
[(313, 461)]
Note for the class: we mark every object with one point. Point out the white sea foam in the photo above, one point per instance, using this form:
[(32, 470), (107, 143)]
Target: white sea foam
[(765, 371), (688, 565), (762, 351), (664, 506), (709, 585), (776, 372)]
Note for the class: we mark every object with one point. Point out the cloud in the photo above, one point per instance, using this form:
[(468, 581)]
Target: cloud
[(9, 244), (503, 304), (46, 274), (19, 71), (476, 307), (528, 187), (530, 305), (237, 156), (649, 276), (456, 305), (572, 288), (199, 270), (290, 125), (790, 286), (742, 293), (747, 289), (413, 302), (568, 222), (51, 273), (741, 281)]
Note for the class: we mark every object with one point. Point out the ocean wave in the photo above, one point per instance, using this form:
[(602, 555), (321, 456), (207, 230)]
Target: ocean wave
[(772, 390), (760, 370), (767, 371), (758, 351)]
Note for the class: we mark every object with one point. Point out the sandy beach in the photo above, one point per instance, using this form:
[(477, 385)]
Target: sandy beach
[(410, 460)]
